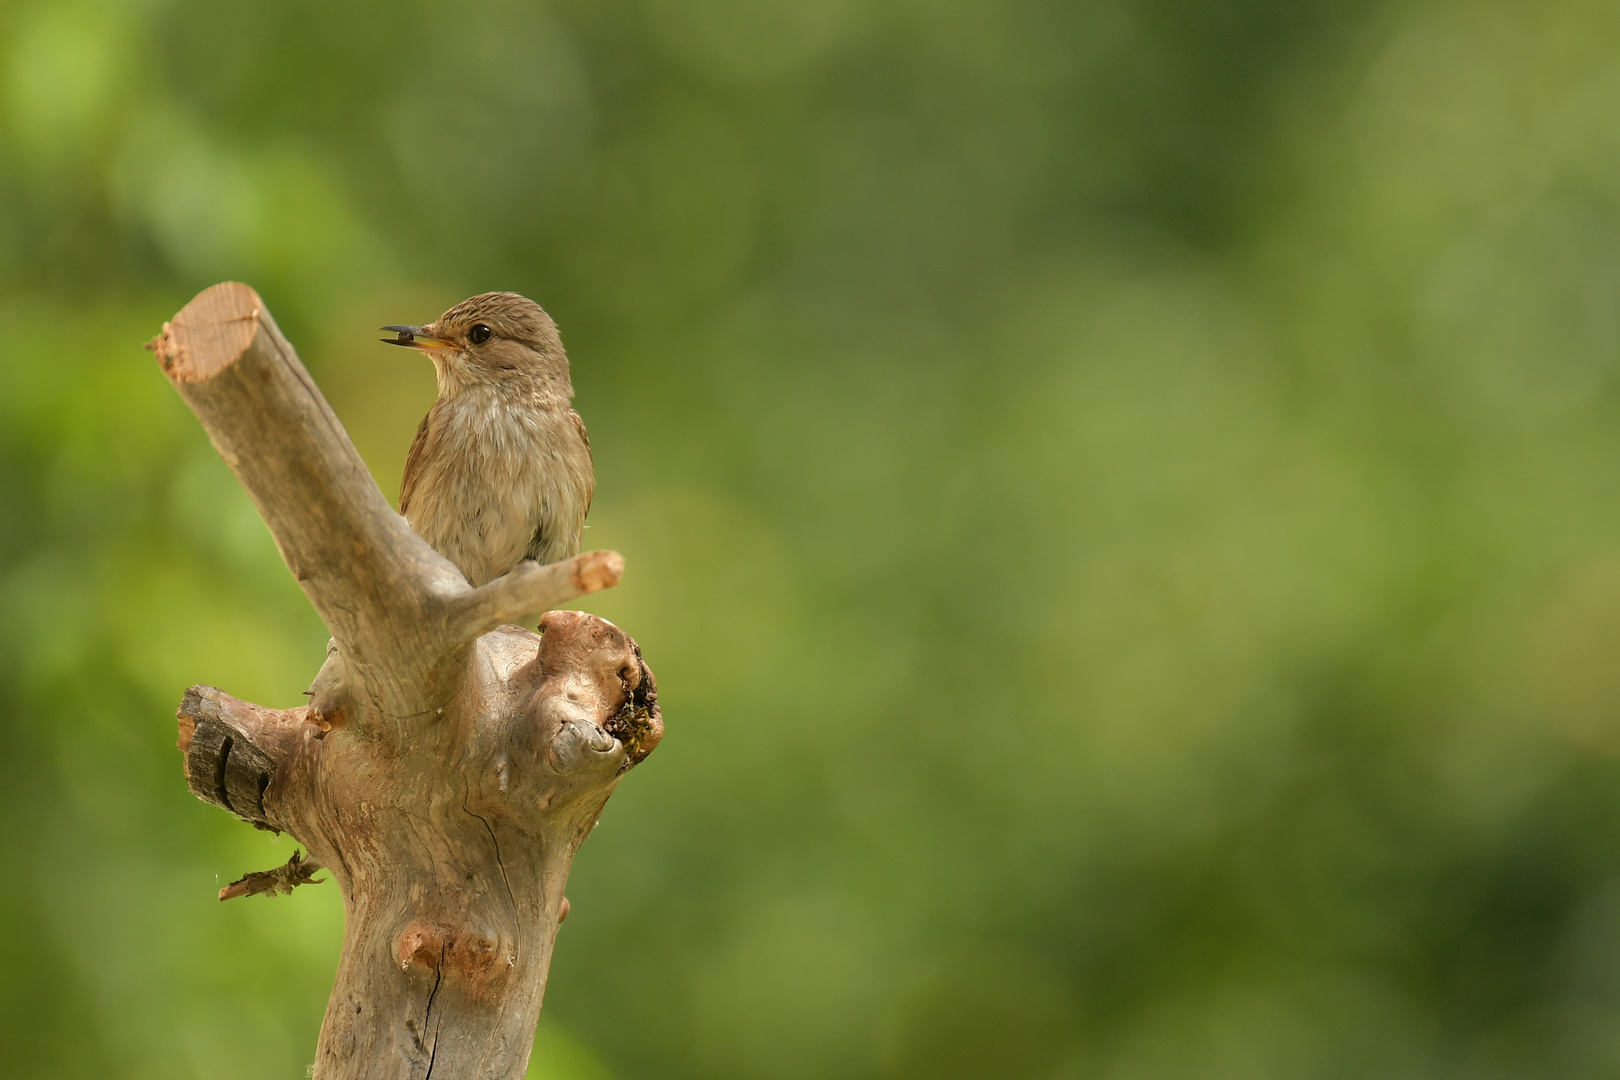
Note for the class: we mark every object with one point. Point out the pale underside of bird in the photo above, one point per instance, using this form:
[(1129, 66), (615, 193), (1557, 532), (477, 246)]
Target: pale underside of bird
[(500, 470)]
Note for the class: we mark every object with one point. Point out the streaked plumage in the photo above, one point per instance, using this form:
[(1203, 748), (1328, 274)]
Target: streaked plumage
[(501, 468)]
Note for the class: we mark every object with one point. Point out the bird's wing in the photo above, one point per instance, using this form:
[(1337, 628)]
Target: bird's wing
[(590, 464), (557, 538), (413, 462)]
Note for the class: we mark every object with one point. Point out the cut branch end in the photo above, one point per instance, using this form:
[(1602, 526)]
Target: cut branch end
[(597, 570), (530, 591)]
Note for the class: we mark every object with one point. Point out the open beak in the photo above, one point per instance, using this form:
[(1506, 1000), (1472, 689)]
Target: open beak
[(412, 337)]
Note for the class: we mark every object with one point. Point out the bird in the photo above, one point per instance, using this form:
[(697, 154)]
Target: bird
[(500, 470)]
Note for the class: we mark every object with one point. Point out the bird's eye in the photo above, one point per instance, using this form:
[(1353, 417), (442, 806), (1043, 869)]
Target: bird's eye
[(480, 334)]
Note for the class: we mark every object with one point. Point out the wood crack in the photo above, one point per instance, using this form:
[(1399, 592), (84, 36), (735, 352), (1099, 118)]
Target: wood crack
[(220, 765), (433, 1050), (499, 862)]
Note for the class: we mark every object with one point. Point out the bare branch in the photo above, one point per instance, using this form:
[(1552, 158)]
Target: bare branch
[(364, 570), (234, 749), (530, 590)]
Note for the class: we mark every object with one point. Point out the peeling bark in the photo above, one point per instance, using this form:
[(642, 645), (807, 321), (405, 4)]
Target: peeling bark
[(447, 766)]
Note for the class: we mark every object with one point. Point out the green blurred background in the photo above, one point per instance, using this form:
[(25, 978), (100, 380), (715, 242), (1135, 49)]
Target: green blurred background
[(1122, 498)]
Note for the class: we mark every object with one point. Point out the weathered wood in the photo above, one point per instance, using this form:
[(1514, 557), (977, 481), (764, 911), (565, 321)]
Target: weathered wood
[(231, 750), (446, 767)]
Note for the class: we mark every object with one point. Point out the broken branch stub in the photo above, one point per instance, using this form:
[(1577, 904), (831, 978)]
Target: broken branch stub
[(446, 767), (283, 879)]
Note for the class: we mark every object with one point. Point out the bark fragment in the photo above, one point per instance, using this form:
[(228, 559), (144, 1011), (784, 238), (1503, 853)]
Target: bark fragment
[(283, 879)]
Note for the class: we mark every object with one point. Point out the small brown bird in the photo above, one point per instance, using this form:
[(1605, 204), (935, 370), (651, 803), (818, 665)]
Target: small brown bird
[(501, 469)]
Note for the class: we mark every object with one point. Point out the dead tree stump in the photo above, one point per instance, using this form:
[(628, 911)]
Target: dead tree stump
[(448, 764)]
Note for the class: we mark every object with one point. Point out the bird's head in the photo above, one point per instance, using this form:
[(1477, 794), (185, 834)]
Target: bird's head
[(492, 339)]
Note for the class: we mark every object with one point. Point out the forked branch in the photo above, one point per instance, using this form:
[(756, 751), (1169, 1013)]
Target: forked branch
[(397, 609), (446, 766)]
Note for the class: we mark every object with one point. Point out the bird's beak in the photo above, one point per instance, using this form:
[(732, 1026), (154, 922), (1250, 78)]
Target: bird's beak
[(413, 337)]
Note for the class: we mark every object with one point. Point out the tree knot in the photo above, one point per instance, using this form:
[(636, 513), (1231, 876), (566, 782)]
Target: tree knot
[(421, 943)]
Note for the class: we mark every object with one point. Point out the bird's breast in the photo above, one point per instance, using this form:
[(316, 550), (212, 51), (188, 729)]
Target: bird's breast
[(491, 476)]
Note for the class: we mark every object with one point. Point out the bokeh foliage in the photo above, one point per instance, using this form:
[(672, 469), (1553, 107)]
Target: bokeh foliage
[(1122, 497)]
